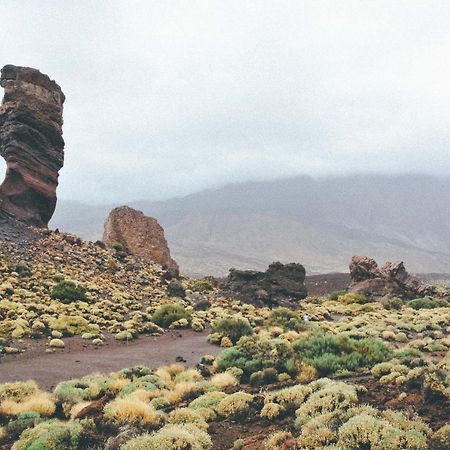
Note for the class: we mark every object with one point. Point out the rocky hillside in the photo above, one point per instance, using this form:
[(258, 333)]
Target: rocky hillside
[(56, 282), (320, 223)]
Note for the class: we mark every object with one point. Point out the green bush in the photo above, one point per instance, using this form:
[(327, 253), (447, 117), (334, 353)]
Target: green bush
[(186, 436), (288, 320), (68, 291), (407, 355), (393, 303), (263, 377), (253, 354), (52, 435), (58, 277), (201, 286), (234, 357), (117, 246), (336, 294), (233, 328), (351, 297), (24, 421), (426, 303), (328, 353), (165, 315)]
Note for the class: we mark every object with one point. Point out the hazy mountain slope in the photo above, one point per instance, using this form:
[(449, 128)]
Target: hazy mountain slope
[(320, 223), (254, 240)]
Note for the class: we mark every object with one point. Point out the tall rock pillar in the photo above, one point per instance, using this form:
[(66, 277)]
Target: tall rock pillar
[(31, 143)]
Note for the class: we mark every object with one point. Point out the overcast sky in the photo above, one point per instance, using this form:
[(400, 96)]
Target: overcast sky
[(165, 98)]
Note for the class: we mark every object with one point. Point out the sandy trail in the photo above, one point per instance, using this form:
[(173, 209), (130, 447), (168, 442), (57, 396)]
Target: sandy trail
[(79, 358)]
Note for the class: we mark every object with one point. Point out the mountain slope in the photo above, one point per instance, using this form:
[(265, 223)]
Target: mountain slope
[(318, 222)]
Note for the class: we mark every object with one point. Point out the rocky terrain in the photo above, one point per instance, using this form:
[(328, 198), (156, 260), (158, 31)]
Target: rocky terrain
[(103, 347), (267, 379), (31, 143)]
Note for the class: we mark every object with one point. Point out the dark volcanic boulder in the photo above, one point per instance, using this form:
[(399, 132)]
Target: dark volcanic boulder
[(281, 284), (31, 143), (176, 289), (391, 280)]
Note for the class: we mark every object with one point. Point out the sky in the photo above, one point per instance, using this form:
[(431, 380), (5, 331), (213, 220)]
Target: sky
[(166, 98)]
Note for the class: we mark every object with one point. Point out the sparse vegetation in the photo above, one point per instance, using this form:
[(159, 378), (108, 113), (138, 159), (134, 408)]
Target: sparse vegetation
[(269, 375)]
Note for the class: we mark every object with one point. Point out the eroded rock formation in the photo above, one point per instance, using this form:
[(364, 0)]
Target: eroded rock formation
[(280, 284), (31, 143), (140, 235), (390, 280)]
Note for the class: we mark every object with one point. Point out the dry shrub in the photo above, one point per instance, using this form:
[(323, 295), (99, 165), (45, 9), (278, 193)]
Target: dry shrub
[(40, 402), (125, 411), (223, 380)]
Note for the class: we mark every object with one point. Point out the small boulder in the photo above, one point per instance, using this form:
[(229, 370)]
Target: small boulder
[(176, 289)]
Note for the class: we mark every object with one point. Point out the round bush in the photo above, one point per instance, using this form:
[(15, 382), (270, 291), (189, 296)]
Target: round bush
[(165, 315), (233, 328)]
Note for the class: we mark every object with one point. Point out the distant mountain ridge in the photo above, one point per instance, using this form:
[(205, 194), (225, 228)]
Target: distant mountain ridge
[(318, 222)]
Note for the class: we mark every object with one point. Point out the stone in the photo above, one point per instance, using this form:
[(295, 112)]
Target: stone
[(176, 289), (363, 268), (391, 280), (125, 434), (93, 409), (140, 235), (281, 284), (31, 143)]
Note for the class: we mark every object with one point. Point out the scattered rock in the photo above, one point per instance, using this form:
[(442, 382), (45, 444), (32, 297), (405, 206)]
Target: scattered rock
[(201, 303), (281, 284), (125, 434), (140, 235), (176, 289), (31, 143), (391, 280), (100, 244), (93, 409)]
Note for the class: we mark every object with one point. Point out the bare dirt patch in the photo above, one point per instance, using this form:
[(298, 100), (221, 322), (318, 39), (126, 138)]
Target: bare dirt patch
[(80, 357)]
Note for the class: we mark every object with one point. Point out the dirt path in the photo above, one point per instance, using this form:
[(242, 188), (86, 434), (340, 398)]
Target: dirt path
[(79, 358)]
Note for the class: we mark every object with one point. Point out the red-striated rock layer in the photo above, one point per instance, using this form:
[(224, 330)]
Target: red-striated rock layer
[(31, 143), (141, 235)]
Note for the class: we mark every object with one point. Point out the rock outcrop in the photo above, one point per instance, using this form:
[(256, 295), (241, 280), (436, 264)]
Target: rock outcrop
[(280, 284), (140, 235), (391, 280), (31, 143)]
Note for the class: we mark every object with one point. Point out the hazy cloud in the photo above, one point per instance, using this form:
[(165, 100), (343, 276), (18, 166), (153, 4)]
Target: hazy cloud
[(168, 97)]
